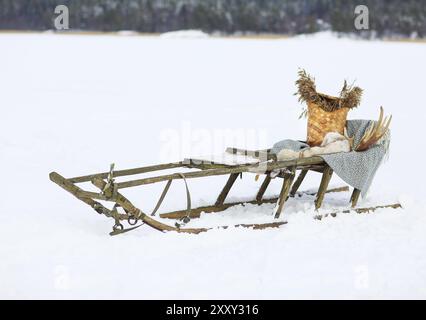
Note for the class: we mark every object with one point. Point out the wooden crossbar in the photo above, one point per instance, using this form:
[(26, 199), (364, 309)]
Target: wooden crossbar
[(127, 172), (255, 168)]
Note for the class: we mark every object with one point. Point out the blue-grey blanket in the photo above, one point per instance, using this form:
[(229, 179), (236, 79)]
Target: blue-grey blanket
[(355, 168)]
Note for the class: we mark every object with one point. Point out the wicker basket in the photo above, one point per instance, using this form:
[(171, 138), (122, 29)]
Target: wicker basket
[(320, 121), (325, 113)]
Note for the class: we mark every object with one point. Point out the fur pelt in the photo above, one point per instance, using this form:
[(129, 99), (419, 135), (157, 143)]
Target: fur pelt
[(333, 142)]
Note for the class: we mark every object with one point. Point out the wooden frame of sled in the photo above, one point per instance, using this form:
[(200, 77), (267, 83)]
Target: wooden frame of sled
[(110, 190)]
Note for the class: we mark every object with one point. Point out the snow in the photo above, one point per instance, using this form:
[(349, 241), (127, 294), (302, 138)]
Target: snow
[(127, 33), (184, 34), (74, 104)]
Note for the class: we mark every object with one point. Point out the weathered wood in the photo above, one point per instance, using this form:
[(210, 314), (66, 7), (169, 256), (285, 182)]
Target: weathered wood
[(127, 205), (338, 189), (255, 168), (81, 194), (253, 226), (258, 226), (189, 163), (288, 180), (326, 177), (93, 195), (354, 197), (71, 188), (313, 193), (135, 212), (127, 172), (206, 166), (195, 212), (358, 210), (317, 168), (263, 188), (298, 182), (224, 193)]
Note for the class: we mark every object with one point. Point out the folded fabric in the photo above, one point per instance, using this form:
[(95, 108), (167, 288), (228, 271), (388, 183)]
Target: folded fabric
[(355, 168)]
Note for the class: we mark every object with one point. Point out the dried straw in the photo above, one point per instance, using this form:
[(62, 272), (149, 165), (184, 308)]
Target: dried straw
[(350, 97)]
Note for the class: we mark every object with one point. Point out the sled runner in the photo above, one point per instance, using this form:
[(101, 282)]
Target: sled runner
[(260, 162)]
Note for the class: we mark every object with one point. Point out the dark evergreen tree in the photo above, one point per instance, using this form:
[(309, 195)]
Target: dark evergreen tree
[(387, 17)]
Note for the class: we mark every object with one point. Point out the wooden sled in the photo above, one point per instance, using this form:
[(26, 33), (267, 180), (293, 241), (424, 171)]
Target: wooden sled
[(266, 165)]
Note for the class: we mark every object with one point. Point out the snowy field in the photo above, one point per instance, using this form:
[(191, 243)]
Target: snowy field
[(74, 104)]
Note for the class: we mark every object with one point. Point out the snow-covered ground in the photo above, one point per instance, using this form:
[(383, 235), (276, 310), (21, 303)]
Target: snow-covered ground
[(185, 34), (75, 104)]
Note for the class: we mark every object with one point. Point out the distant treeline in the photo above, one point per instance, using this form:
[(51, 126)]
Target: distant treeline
[(387, 17)]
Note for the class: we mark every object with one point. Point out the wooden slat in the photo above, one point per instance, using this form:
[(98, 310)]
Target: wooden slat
[(325, 180), (199, 164), (255, 168), (127, 172), (93, 195), (288, 180), (258, 226), (224, 193), (358, 210), (313, 193), (354, 197), (80, 194), (190, 163), (263, 188), (195, 212), (298, 182)]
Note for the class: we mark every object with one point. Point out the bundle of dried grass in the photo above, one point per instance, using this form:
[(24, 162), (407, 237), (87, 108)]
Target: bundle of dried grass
[(325, 113), (350, 97)]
